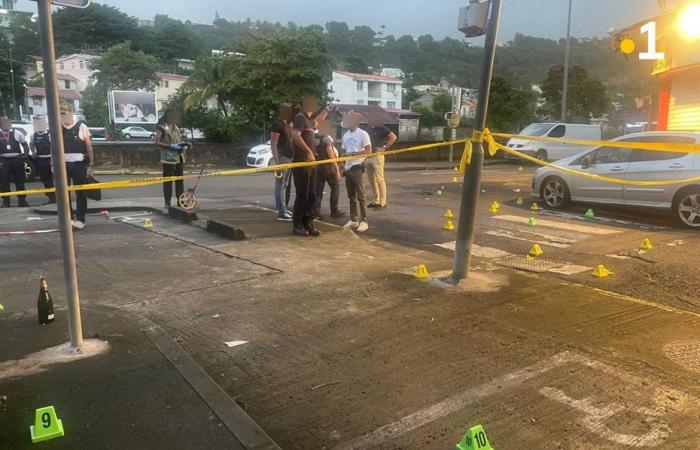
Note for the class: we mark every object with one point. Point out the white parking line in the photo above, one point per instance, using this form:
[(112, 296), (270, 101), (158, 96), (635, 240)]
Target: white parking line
[(510, 235), (560, 225), (477, 250)]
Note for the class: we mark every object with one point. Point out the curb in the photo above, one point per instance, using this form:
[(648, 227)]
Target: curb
[(46, 212)]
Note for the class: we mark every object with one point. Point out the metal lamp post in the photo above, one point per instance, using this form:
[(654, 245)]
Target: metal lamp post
[(567, 58)]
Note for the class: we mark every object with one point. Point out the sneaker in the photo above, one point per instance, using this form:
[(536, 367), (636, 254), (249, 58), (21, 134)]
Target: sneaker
[(313, 231), (352, 224), (363, 227), (338, 214), (285, 217), (300, 231), (78, 224)]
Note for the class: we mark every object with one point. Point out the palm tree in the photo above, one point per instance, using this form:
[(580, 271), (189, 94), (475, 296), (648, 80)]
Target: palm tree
[(210, 81)]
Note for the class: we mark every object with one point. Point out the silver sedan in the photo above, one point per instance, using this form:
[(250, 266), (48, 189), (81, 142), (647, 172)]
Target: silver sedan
[(558, 189)]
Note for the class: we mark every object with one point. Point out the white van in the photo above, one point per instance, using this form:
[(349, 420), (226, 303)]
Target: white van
[(553, 151)]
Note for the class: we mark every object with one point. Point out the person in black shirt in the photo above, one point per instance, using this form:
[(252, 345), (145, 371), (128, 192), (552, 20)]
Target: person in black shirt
[(303, 130), (327, 173), (40, 144), (282, 153), (13, 147), (382, 138)]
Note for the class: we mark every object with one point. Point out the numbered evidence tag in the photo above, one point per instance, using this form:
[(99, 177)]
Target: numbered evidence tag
[(475, 439), (46, 426)]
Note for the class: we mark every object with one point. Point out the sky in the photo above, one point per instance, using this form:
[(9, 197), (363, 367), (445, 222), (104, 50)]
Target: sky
[(544, 18)]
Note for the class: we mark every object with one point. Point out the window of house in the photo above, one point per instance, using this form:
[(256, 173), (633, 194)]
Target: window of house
[(375, 103), (391, 105), (360, 102), (166, 84), (37, 101), (391, 88), (60, 66), (66, 84), (360, 86), (72, 65), (82, 64)]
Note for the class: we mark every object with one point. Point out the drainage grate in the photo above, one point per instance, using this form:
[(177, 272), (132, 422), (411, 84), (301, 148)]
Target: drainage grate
[(529, 264), (684, 353)]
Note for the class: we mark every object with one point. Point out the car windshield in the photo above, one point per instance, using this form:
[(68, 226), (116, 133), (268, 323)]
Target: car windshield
[(536, 129)]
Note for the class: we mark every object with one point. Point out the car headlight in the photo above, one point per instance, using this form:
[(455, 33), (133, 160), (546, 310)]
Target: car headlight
[(265, 150)]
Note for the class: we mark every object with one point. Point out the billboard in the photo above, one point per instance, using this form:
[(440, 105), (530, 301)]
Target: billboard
[(133, 107)]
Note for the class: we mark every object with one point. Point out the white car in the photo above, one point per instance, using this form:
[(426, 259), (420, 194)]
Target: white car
[(260, 155), (137, 132), (553, 151), (557, 188)]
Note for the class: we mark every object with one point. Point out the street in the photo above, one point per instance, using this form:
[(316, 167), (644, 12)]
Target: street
[(344, 348)]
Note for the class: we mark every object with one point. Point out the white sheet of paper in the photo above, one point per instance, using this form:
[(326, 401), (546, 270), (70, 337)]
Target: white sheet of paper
[(235, 343)]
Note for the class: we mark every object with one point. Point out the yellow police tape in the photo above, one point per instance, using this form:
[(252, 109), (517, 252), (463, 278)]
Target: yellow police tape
[(139, 182), (485, 137), (494, 146)]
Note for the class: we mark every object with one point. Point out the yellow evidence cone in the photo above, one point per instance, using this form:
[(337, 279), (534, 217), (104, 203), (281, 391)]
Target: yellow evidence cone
[(448, 214), (421, 272), (532, 222), (455, 180), (602, 272), (536, 251), (535, 207), (449, 226), (475, 439), (646, 245), (495, 206), (519, 201), (148, 223), (520, 169)]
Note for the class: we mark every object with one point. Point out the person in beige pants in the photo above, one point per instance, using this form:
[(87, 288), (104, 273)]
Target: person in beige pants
[(382, 138)]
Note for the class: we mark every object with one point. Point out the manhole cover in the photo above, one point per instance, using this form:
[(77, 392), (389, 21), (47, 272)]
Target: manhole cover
[(529, 264), (684, 353)]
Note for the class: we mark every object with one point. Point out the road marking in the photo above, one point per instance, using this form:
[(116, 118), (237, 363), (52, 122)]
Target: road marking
[(477, 250), (595, 419), (560, 225), (602, 219), (455, 403), (510, 235), (509, 381)]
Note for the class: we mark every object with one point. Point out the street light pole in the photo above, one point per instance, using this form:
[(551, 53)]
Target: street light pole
[(12, 80), (472, 178), (60, 179), (567, 57)]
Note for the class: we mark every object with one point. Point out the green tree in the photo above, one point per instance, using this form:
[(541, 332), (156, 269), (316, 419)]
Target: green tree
[(25, 37), (587, 97), (6, 65), (510, 107), (170, 39), (95, 27), (210, 81)]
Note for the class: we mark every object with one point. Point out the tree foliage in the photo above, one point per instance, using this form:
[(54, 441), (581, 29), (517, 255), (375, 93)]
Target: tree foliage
[(96, 27), (586, 97), (510, 107), (169, 39), (7, 64)]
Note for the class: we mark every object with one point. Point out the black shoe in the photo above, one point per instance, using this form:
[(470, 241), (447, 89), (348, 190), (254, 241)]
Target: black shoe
[(374, 205), (338, 214), (300, 231), (312, 230)]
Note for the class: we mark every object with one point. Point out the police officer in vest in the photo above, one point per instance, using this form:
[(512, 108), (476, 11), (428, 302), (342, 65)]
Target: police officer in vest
[(13, 147), (78, 157), (40, 144)]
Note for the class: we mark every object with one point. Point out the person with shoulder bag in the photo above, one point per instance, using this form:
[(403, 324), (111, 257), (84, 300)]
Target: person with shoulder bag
[(172, 155)]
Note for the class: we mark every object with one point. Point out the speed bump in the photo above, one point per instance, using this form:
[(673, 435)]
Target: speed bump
[(475, 439), (421, 272), (46, 426)]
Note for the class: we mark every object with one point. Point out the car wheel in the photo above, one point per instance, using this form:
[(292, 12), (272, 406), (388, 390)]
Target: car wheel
[(29, 170), (541, 155), (686, 207), (127, 136), (555, 193)]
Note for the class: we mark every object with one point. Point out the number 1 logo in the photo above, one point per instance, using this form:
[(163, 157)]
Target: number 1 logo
[(651, 54)]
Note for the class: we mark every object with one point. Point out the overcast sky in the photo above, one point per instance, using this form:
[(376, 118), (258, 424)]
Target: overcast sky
[(546, 18)]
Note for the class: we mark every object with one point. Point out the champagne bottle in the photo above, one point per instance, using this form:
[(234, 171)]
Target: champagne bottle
[(44, 304)]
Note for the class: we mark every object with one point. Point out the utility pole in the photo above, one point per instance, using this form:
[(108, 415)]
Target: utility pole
[(567, 58), (12, 80), (62, 195), (471, 187)]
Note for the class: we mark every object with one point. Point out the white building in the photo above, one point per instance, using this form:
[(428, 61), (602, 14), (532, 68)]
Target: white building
[(35, 99), (168, 85), (77, 65), (362, 89)]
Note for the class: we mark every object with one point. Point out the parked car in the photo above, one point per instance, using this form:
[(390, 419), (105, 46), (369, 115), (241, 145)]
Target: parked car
[(137, 132), (192, 134), (260, 155), (558, 189), (553, 151), (99, 134)]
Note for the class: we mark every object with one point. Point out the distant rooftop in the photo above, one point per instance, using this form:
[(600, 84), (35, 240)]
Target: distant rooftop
[(367, 77)]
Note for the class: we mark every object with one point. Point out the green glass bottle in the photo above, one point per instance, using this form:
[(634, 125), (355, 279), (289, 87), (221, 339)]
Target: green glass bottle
[(44, 304)]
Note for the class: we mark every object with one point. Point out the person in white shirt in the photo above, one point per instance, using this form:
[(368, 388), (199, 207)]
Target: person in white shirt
[(356, 141), (79, 157), (13, 147)]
